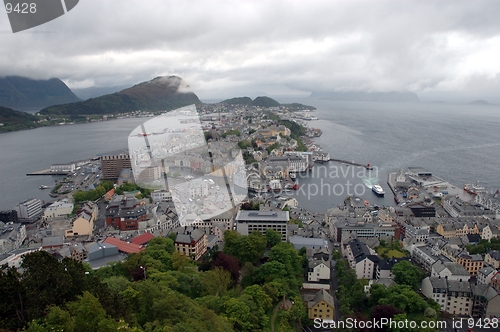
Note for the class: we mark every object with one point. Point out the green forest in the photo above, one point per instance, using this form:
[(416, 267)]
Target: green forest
[(159, 289)]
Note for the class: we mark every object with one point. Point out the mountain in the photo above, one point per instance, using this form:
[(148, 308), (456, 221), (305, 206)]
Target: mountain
[(238, 101), (395, 96), (265, 102), (159, 94), (15, 120), (298, 107), (23, 93), (94, 92)]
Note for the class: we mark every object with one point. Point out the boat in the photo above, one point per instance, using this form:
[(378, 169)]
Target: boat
[(44, 187), (293, 176), (474, 189), (296, 186), (377, 189)]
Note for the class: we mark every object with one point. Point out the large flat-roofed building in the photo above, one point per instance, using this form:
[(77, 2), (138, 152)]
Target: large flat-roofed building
[(249, 221), (29, 210), (113, 164)]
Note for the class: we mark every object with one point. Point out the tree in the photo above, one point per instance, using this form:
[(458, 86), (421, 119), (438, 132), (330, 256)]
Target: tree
[(384, 311), (406, 273), (12, 314), (270, 271), (272, 238), (404, 298), (228, 263), (45, 282), (215, 282)]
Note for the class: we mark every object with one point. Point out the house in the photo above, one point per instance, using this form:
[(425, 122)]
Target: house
[(454, 296), (492, 258), (486, 301), (485, 274), (384, 267), (449, 270), (125, 213), (58, 209), (495, 282), (321, 306), (109, 195), (143, 239), (471, 239), (191, 242), (317, 270), (81, 226), (78, 252), (52, 242), (472, 263), (125, 247), (366, 266)]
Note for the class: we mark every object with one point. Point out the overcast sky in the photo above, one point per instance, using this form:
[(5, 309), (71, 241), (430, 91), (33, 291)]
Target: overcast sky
[(447, 50)]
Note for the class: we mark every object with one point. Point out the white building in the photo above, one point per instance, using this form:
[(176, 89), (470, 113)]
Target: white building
[(485, 275), (58, 209), (29, 210), (318, 270), (454, 296), (161, 196), (249, 221), (62, 168)]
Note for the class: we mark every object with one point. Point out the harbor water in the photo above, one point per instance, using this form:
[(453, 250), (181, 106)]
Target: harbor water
[(459, 143)]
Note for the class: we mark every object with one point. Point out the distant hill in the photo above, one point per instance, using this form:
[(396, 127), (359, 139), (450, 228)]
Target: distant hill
[(94, 92), (238, 101), (479, 102), (265, 102), (298, 107), (15, 120), (159, 94), (366, 96), (24, 93)]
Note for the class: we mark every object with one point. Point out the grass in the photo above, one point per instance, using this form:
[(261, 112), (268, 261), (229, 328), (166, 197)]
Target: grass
[(391, 253)]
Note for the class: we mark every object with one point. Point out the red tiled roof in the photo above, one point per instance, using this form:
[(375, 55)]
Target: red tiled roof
[(129, 248), (143, 238)]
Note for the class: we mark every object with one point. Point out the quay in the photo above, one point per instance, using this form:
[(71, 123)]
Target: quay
[(47, 172), (367, 166)]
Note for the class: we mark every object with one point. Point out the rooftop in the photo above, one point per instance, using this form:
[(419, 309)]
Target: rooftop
[(250, 215)]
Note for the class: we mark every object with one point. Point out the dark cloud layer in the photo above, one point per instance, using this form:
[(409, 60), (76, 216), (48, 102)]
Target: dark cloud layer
[(434, 48)]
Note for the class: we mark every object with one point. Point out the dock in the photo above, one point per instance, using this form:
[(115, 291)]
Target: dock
[(47, 172), (367, 166)]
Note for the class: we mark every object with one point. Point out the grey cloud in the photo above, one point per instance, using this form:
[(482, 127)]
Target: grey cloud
[(298, 45)]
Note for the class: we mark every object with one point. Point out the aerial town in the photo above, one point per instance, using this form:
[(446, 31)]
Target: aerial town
[(439, 240)]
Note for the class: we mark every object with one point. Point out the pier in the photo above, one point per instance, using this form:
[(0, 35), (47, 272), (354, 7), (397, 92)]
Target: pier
[(367, 166), (47, 172)]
